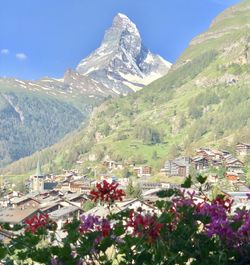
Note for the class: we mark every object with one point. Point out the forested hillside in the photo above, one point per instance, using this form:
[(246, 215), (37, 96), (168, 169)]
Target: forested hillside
[(203, 101), (32, 121)]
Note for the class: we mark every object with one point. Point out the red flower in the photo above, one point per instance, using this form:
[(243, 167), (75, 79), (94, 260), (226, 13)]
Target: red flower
[(144, 225), (226, 203), (105, 228), (107, 192), (36, 222)]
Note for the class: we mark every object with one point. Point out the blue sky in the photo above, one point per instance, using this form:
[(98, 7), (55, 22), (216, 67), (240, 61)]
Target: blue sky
[(45, 37)]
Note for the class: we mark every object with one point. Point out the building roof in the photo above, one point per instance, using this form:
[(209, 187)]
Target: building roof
[(103, 211), (247, 145), (233, 160), (30, 196), (198, 158), (50, 185), (73, 196), (16, 215), (47, 207), (64, 211)]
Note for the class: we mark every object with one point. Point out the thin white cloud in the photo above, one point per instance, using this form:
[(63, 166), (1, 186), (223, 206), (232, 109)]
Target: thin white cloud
[(5, 51), (21, 56)]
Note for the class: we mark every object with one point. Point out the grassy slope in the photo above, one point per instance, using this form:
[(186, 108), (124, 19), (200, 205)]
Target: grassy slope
[(196, 104)]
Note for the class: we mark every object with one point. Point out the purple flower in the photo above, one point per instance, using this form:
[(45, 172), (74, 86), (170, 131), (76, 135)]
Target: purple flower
[(89, 223), (93, 223), (233, 230)]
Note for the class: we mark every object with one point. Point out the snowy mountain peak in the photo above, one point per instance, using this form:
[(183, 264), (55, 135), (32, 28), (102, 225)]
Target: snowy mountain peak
[(121, 21), (122, 63)]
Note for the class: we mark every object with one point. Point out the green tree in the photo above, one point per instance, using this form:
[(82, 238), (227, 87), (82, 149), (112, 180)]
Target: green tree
[(138, 192), (130, 190)]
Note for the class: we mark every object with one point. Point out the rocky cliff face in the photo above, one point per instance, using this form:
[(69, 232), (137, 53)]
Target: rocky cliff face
[(122, 63)]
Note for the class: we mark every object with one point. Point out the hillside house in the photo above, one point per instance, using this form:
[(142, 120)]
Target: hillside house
[(143, 171), (200, 163), (206, 153), (113, 165), (243, 149), (80, 186), (177, 167), (234, 165)]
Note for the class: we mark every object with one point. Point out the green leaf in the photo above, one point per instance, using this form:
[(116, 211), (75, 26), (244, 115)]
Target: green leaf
[(144, 258), (167, 193), (105, 244), (3, 252), (201, 179), (165, 218), (119, 229), (187, 183), (159, 204)]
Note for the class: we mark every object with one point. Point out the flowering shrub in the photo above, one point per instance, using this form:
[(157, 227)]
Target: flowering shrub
[(144, 226), (36, 222), (107, 192), (182, 228), (94, 223)]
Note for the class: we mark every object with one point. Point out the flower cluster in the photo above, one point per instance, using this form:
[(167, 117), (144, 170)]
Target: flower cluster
[(168, 232), (36, 222), (92, 223), (144, 225), (107, 192), (233, 230), (242, 217)]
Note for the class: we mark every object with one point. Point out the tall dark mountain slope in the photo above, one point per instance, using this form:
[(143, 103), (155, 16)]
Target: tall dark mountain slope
[(204, 100), (36, 114)]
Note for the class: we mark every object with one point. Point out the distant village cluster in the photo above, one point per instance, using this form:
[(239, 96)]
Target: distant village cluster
[(207, 158), (204, 160), (65, 196)]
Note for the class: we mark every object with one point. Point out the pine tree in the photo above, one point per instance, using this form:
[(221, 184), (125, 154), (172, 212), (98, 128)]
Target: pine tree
[(130, 191), (138, 192)]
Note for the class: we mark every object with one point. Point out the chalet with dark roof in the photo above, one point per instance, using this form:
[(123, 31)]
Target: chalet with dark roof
[(243, 149), (200, 163)]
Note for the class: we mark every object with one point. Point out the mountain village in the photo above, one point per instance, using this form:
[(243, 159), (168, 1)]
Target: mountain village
[(66, 196)]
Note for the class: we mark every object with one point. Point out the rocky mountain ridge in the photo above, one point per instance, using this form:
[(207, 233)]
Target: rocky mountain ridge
[(122, 63)]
